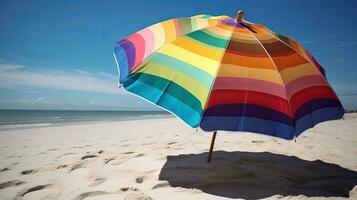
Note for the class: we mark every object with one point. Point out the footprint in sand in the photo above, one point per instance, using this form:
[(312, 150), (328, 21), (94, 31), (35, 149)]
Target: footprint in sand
[(258, 141), (10, 184), (107, 160), (97, 182), (129, 152), (88, 156), (61, 166), (111, 159), (139, 179), (125, 189), (29, 171), (38, 192), (161, 185), (4, 169), (76, 166)]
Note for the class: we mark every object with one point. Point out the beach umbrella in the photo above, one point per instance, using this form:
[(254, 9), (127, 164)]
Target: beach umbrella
[(220, 73)]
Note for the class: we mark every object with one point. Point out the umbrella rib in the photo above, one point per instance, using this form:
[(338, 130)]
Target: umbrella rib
[(116, 61), (215, 76), (308, 60), (292, 114)]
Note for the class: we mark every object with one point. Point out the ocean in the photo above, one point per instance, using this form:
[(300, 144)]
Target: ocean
[(20, 119)]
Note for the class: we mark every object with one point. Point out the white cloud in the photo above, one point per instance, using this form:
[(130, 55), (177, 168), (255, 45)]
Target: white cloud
[(23, 101), (17, 76), (9, 67), (317, 40), (42, 100), (107, 75)]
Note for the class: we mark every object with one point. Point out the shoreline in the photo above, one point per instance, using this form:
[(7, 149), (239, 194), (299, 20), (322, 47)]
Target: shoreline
[(43, 124), (21, 126)]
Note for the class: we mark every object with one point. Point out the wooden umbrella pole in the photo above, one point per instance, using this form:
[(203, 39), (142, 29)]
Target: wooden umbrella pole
[(239, 16), (211, 148)]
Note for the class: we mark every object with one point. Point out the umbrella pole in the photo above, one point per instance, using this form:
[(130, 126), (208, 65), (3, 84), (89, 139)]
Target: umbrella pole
[(211, 148)]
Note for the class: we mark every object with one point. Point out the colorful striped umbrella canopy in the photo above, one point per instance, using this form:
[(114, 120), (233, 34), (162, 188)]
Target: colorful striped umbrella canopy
[(222, 74)]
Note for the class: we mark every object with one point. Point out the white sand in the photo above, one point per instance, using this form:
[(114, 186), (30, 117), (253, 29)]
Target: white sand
[(165, 159)]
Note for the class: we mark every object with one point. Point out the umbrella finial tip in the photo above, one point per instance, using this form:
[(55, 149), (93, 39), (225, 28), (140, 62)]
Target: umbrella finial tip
[(240, 14)]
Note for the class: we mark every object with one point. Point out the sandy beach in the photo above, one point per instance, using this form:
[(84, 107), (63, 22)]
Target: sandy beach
[(165, 159)]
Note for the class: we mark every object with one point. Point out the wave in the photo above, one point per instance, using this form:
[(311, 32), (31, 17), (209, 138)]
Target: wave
[(18, 126), (36, 119), (56, 117)]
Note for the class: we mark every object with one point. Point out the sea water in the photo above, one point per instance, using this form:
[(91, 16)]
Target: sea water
[(18, 119)]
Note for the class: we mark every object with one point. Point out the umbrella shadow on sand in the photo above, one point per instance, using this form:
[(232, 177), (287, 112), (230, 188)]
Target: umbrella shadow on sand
[(259, 175)]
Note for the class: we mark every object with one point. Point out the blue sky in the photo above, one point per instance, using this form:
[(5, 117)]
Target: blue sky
[(58, 54)]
